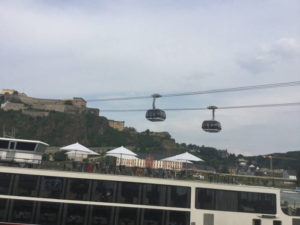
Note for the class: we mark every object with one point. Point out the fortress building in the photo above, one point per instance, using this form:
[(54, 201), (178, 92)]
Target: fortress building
[(13, 100)]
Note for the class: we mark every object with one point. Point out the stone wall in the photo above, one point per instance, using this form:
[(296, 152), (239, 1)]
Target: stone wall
[(12, 106), (20, 101), (76, 105), (93, 111), (119, 125)]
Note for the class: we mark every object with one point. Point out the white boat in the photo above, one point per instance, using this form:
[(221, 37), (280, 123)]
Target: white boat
[(21, 150), (39, 196)]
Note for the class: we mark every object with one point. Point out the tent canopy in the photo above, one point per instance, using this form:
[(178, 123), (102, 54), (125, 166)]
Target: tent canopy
[(184, 157), (122, 152), (78, 149)]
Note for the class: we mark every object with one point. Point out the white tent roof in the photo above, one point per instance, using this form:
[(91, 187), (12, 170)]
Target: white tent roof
[(121, 152), (184, 157), (79, 149)]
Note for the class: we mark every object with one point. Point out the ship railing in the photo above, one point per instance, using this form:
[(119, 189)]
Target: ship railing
[(190, 174)]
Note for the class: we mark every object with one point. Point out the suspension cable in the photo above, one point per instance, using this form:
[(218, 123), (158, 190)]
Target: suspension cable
[(223, 90), (205, 108)]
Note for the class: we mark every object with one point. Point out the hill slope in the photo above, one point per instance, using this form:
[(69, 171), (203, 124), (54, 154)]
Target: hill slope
[(59, 129)]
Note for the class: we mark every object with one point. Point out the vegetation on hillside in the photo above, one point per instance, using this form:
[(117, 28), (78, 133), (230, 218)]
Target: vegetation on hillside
[(59, 129)]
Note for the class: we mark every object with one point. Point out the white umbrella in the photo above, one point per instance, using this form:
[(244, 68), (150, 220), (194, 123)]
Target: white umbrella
[(122, 152), (184, 157), (78, 149)]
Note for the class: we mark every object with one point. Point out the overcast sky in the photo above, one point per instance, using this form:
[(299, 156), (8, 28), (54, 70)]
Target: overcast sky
[(102, 49)]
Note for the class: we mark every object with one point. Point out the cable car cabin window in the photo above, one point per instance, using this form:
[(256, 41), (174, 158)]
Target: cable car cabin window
[(154, 194), (25, 146), (78, 189), (49, 213), (52, 187), (127, 216), (101, 215), (2, 209), (155, 115), (5, 180), (4, 144), (104, 191), (235, 201), (129, 193), (179, 196), (27, 185), (22, 212), (75, 214)]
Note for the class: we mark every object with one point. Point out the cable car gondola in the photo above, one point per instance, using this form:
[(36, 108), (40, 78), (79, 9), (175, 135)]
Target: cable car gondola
[(155, 115), (212, 126)]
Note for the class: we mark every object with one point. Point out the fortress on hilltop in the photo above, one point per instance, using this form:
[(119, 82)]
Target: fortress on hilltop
[(13, 100)]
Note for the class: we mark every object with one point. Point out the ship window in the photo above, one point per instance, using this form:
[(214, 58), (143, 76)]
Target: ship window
[(223, 200), (276, 222), (4, 144), (26, 146), (267, 203), (27, 185), (4, 184), (227, 201), (178, 218), (249, 202), (2, 209), (179, 196), (290, 203), (154, 194), (52, 187), (256, 222), (75, 214), (49, 213), (78, 189), (296, 221), (205, 198), (101, 215), (152, 216), (12, 145), (129, 192), (104, 191), (127, 216), (22, 212)]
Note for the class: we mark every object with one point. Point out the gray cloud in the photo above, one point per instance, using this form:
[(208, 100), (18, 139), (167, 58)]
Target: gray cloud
[(282, 50), (95, 49)]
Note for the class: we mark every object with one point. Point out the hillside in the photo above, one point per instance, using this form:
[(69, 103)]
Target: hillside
[(279, 163), (59, 129)]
